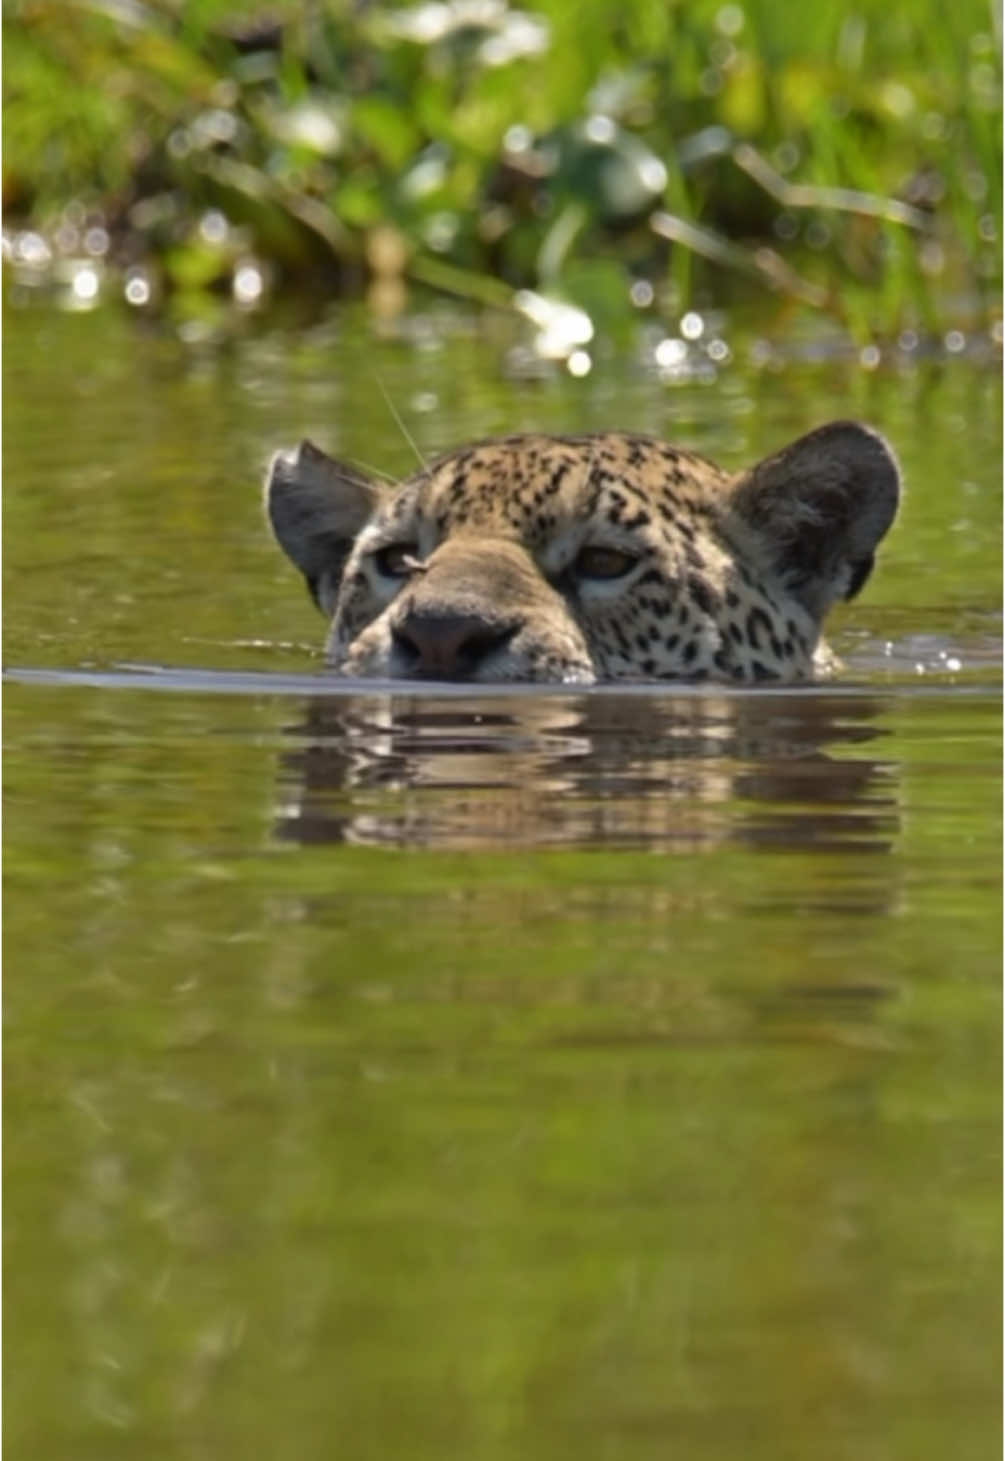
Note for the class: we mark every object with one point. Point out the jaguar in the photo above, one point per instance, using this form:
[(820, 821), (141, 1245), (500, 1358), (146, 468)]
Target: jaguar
[(580, 559)]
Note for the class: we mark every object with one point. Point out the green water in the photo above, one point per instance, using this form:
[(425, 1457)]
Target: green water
[(543, 1075)]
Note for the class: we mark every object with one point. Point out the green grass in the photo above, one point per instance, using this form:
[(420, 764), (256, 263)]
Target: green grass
[(847, 160)]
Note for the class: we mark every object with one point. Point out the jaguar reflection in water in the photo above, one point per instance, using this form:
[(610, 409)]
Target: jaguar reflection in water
[(578, 559), (655, 770)]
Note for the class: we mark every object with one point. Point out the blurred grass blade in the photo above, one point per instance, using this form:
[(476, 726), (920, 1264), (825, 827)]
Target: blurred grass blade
[(762, 263), (808, 195)]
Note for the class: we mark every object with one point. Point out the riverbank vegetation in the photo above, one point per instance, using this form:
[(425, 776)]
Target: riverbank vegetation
[(601, 157)]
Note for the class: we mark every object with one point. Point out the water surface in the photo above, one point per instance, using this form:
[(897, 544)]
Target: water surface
[(420, 1073)]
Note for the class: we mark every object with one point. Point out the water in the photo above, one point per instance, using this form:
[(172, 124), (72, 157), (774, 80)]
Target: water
[(544, 1074)]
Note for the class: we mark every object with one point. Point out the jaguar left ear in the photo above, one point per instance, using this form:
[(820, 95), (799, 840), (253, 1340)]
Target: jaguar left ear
[(816, 511), (316, 506)]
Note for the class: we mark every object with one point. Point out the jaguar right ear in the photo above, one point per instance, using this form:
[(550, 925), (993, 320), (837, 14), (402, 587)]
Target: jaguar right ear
[(316, 507), (816, 511)]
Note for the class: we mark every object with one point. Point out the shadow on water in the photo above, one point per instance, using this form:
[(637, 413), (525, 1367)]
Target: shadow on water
[(666, 772)]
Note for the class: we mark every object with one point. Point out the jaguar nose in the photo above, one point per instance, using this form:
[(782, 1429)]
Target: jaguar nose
[(448, 646)]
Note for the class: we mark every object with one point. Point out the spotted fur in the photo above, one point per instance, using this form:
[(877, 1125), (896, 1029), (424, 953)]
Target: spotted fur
[(587, 558)]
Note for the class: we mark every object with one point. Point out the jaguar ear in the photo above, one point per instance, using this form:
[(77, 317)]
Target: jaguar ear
[(316, 507), (815, 512)]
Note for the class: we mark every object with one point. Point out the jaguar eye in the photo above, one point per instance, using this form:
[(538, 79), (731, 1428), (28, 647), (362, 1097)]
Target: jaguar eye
[(597, 562), (396, 560)]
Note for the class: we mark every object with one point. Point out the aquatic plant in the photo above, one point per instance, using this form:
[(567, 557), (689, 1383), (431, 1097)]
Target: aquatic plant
[(578, 163)]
